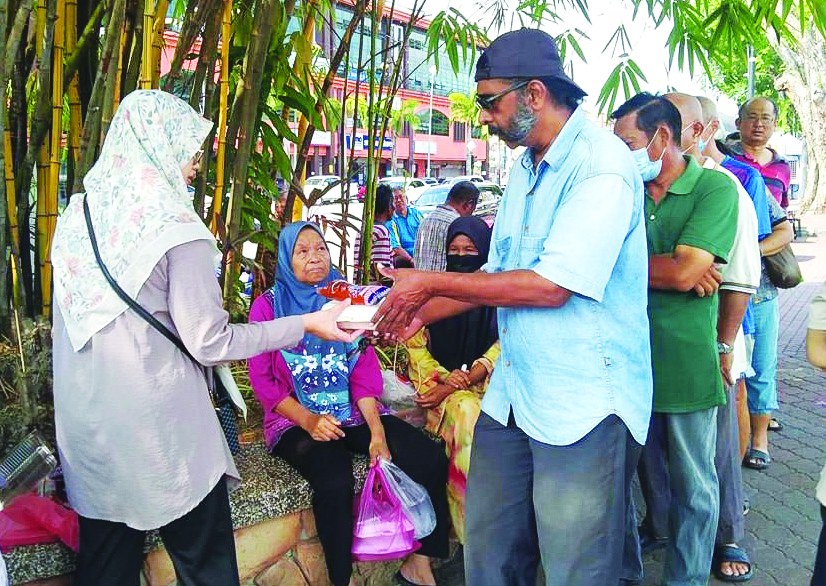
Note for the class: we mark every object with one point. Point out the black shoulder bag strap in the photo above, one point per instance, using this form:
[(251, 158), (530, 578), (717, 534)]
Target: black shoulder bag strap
[(138, 308), (224, 408)]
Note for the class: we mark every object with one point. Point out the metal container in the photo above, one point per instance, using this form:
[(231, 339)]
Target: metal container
[(28, 463)]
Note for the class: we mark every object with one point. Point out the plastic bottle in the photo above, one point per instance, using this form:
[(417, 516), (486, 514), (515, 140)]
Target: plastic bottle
[(358, 294), (28, 463)]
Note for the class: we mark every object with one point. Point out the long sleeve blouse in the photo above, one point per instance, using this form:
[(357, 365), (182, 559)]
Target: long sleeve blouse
[(272, 381), (138, 437)]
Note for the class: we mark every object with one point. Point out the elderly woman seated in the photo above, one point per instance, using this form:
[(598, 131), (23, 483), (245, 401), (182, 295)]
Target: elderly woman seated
[(451, 361), (320, 407)]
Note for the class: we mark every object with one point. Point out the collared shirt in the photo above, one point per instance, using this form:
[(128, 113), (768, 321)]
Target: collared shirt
[(754, 185), (575, 220), (742, 272), (403, 229), (380, 251), (776, 173), (431, 241), (698, 210)]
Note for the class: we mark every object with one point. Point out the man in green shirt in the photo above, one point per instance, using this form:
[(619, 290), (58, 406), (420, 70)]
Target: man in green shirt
[(691, 220)]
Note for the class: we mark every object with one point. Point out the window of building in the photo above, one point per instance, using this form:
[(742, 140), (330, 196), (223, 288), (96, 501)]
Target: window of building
[(441, 125), (459, 131)]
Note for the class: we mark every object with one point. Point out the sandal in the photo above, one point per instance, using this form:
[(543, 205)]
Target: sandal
[(728, 554), (775, 425), (756, 460)]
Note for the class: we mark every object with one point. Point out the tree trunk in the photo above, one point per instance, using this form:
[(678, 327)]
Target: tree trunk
[(804, 83)]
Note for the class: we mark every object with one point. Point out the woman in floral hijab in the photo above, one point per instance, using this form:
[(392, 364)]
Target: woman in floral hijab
[(139, 442)]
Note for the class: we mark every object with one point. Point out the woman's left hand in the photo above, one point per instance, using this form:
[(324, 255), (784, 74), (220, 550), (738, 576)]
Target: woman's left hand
[(434, 396), (378, 449)]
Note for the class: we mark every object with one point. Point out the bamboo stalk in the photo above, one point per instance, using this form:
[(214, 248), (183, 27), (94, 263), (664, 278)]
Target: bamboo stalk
[(50, 205), (146, 57), (75, 111), (118, 75), (226, 30), (157, 41), (11, 199), (43, 165)]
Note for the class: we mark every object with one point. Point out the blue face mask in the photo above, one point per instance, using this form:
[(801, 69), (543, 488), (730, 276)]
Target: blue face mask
[(648, 169)]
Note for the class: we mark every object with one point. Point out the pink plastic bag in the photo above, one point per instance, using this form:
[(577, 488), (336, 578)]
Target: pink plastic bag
[(31, 519), (381, 528)]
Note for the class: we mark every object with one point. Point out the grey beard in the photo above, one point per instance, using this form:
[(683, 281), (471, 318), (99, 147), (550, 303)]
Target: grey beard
[(518, 127)]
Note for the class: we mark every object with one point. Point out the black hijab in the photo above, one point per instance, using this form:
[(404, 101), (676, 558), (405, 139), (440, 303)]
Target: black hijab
[(462, 339)]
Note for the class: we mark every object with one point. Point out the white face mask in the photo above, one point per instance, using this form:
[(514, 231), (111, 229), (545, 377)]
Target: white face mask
[(683, 152), (648, 169)]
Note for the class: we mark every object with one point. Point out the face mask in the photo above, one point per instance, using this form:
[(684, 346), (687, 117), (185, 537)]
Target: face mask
[(463, 263), (702, 143), (648, 169)]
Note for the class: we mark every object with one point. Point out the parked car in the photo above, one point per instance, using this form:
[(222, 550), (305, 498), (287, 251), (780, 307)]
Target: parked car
[(430, 180), (431, 198), (473, 178), (490, 195), (406, 183), (332, 196)]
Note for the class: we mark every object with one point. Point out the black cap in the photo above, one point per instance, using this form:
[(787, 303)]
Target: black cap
[(526, 53)]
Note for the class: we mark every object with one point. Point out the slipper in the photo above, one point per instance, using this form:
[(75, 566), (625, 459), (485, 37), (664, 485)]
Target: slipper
[(756, 460), (775, 425), (400, 580), (730, 554)]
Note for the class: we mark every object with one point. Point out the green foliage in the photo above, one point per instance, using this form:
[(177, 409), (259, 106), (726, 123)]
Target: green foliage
[(768, 66)]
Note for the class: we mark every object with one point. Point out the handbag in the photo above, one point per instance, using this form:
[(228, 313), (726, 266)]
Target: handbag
[(382, 530), (221, 400), (782, 268)]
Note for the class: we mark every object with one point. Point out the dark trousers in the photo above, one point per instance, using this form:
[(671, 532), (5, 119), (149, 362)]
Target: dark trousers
[(200, 544), (819, 576), (654, 478), (566, 505), (328, 467)]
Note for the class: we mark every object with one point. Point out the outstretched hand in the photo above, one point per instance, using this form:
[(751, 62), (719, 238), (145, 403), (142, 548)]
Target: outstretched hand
[(397, 314), (324, 325)]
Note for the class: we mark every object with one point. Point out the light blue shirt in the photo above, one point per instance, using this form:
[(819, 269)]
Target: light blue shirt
[(577, 221)]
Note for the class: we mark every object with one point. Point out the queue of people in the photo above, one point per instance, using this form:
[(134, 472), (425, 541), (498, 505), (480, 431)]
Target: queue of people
[(612, 322)]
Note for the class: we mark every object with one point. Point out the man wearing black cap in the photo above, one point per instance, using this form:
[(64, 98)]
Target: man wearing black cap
[(568, 405)]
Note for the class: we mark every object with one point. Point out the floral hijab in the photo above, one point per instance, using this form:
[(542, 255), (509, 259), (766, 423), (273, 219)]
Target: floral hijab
[(139, 206)]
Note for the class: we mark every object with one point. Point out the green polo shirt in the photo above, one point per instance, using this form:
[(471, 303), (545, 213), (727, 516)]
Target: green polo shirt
[(699, 210)]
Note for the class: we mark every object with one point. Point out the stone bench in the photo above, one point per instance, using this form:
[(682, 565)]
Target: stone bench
[(275, 536)]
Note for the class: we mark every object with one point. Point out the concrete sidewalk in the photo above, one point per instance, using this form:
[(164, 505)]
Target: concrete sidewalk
[(783, 526)]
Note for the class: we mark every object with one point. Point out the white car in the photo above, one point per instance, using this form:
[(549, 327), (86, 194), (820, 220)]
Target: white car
[(406, 183), (473, 178), (322, 181)]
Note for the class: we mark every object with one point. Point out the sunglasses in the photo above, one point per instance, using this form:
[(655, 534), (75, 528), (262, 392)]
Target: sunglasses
[(488, 101)]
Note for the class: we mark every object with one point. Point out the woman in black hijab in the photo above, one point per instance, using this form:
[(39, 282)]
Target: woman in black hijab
[(451, 362)]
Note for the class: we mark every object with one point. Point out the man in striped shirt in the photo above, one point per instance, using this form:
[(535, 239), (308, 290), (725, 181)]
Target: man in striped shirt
[(430, 252), (381, 252)]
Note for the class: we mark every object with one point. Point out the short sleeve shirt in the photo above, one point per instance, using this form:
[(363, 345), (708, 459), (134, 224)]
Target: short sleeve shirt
[(699, 210), (754, 185), (574, 219), (403, 229), (767, 291)]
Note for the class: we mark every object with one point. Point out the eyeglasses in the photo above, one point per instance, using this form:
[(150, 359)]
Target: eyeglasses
[(765, 120), (488, 101)]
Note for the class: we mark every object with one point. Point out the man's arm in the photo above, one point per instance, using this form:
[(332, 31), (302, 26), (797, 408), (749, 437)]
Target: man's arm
[(816, 348), (732, 308), (782, 234), (412, 289), (679, 271)]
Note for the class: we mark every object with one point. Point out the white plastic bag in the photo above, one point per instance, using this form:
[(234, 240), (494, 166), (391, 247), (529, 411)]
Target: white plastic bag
[(413, 497), (396, 395), (4, 578)]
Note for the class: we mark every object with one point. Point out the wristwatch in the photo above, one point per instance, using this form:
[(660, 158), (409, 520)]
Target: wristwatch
[(723, 348)]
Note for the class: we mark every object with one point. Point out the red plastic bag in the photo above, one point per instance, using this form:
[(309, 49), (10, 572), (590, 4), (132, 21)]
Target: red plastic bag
[(382, 530), (30, 519)]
